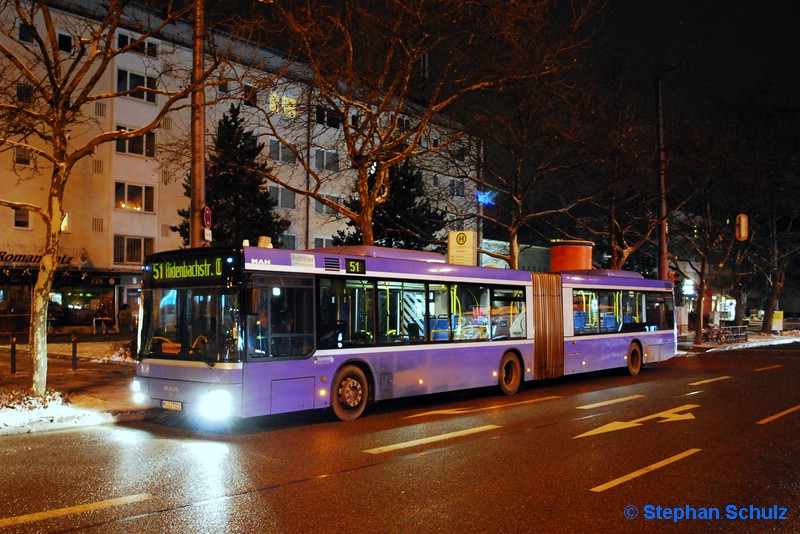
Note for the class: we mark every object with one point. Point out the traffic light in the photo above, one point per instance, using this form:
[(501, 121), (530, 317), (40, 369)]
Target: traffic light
[(741, 227)]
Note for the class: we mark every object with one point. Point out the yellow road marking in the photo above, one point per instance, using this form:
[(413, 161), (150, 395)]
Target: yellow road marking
[(665, 416), (88, 507), (773, 417), (710, 380), (644, 471), (770, 367), (431, 439), (606, 403)]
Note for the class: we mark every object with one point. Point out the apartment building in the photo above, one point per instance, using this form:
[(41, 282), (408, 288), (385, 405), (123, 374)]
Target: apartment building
[(121, 201)]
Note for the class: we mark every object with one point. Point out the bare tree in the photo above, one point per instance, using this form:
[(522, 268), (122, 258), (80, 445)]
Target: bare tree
[(383, 75), (702, 232), (56, 67), (531, 137)]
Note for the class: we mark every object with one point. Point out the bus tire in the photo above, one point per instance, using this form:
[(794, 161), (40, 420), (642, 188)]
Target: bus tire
[(349, 393), (634, 359), (510, 375)]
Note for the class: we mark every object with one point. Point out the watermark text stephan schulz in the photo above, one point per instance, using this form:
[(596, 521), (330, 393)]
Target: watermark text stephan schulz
[(733, 512)]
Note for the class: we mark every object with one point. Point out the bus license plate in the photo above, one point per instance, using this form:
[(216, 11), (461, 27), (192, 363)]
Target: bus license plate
[(171, 405)]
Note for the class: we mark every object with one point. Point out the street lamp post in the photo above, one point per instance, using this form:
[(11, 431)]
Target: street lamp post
[(198, 126), (663, 252)]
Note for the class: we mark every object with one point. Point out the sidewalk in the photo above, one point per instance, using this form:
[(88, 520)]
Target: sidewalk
[(99, 390)]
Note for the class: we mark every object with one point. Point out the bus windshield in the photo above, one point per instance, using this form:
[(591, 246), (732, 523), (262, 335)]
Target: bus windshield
[(200, 323)]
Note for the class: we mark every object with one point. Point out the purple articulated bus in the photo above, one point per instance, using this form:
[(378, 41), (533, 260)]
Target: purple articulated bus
[(252, 331)]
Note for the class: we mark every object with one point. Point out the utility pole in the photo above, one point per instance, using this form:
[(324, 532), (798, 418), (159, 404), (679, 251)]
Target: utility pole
[(198, 128), (663, 252)]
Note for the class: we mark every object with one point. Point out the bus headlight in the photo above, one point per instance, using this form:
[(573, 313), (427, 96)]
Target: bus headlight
[(216, 405), (138, 395)]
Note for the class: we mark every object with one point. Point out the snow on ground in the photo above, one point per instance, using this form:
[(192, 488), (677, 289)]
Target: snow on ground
[(22, 413), (34, 415)]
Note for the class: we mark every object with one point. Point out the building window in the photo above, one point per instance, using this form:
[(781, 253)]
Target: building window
[(250, 96), (144, 145), (134, 197), (280, 152), (287, 241), (131, 249), (128, 81), (320, 242), (24, 92), (328, 117), (223, 88), (65, 42), (285, 105), (456, 187), (22, 155), (456, 224), (22, 219), (100, 109), (66, 227), (25, 33), (319, 207), (327, 160), (284, 198), (146, 48), (403, 124)]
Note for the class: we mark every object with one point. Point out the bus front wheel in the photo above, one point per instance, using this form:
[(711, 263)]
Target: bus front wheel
[(634, 359), (510, 378), (350, 393)]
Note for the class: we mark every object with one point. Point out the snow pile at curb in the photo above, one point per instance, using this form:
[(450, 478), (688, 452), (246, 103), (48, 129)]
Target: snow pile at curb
[(49, 413)]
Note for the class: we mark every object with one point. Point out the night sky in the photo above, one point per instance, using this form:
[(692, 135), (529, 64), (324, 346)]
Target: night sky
[(720, 47)]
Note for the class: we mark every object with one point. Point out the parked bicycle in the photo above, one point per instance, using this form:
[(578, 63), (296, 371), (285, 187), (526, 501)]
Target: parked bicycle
[(714, 334)]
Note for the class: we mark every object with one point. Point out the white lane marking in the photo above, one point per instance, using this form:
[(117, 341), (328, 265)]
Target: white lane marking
[(431, 439), (644, 470), (612, 401), (467, 410), (777, 415), (60, 512), (710, 380)]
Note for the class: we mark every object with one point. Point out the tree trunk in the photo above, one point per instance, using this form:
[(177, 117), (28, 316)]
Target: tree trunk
[(52, 219), (772, 300), (698, 322), (44, 283), (513, 250)]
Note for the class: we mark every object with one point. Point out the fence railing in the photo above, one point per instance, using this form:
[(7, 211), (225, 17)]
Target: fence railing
[(734, 334)]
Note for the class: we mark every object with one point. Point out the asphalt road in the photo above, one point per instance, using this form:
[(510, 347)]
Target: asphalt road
[(698, 437)]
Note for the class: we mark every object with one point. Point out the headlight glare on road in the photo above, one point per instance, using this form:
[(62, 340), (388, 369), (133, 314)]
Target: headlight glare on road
[(138, 394), (216, 405)]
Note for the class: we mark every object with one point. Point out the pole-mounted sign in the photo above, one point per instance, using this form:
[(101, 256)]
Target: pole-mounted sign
[(207, 224)]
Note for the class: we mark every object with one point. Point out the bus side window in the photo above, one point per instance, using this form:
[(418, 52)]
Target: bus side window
[(506, 307), (439, 312)]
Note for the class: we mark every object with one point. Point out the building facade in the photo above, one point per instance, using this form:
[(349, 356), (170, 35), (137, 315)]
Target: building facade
[(122, 201)]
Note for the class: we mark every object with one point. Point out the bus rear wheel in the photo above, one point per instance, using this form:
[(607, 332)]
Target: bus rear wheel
[(634, 359), (350, 393), (510, 377)]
